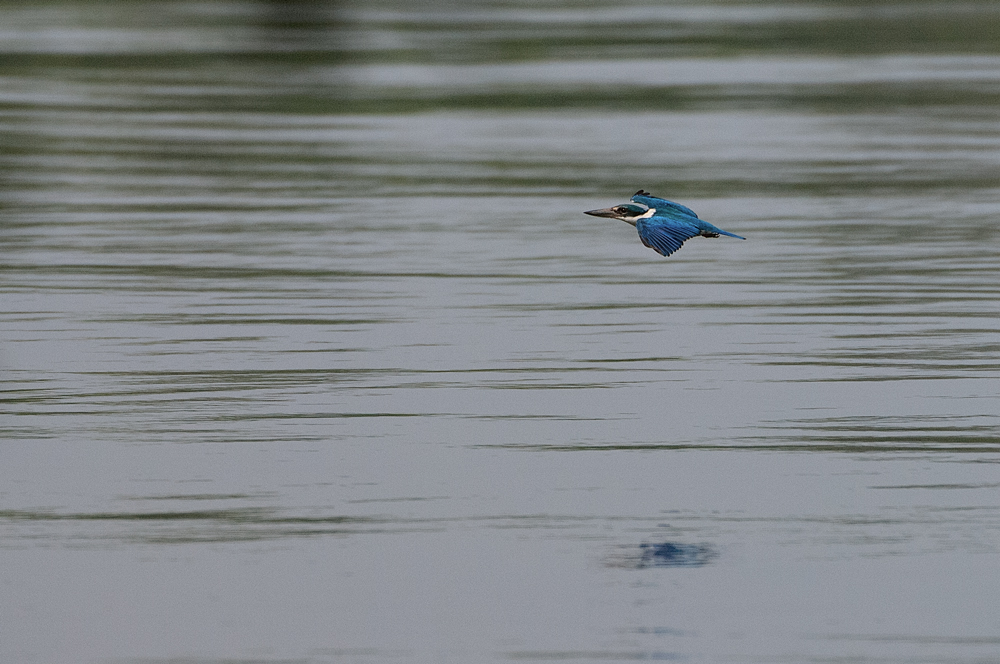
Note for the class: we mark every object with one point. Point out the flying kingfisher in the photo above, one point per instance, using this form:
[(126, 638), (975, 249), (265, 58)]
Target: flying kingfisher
[(663, 225)]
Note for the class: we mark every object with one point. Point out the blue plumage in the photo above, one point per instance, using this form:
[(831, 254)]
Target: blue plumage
[(662, 204), (664, 235), (662, 225)]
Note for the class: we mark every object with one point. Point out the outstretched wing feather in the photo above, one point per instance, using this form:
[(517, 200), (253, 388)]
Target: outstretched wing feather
[(649, 200), (665, 238)]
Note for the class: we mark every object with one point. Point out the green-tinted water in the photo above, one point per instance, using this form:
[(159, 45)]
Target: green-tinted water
[(309, 353)]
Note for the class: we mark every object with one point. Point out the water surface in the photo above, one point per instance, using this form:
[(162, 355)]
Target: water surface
[(309, 353)]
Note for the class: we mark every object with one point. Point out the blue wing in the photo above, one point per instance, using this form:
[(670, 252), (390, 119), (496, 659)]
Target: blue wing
[(664, 236), (647, 199), (665, 208)]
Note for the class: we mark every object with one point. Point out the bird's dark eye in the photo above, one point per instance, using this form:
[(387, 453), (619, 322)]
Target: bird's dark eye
[(621, 210)]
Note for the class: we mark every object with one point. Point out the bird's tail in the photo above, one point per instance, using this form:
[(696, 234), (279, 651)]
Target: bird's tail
[(706, 227)]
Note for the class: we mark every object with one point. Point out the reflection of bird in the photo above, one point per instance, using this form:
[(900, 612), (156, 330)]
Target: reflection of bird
[(663, 225)]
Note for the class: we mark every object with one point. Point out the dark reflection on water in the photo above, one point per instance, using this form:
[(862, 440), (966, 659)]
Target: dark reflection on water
[(664, 554), (309, 352)]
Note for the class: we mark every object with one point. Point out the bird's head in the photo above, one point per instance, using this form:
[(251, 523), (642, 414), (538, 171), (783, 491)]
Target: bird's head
[(627, 212)]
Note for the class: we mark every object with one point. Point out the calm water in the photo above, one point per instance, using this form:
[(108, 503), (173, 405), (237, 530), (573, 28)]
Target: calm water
[(310, 355)]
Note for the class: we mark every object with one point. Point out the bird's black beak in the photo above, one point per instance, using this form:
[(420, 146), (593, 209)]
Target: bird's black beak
[(605, 212)]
